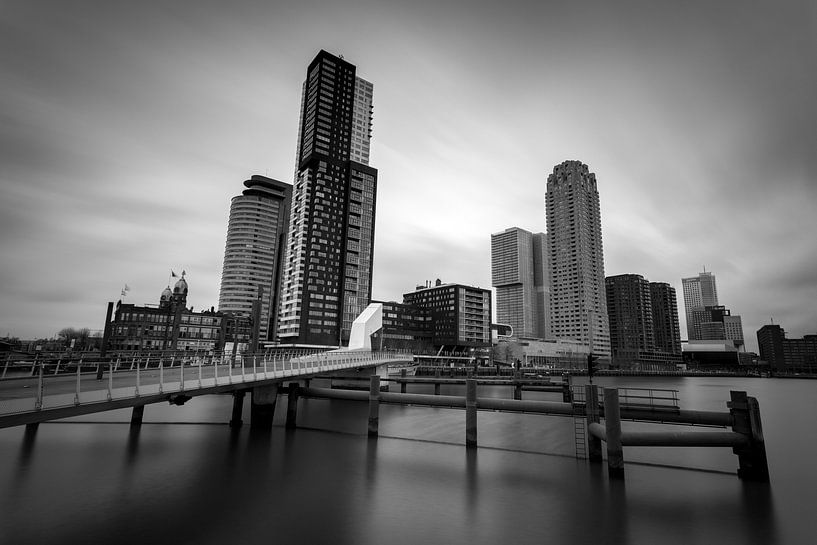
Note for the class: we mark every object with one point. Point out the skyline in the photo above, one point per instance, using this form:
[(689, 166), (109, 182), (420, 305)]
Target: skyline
[(127, 129)]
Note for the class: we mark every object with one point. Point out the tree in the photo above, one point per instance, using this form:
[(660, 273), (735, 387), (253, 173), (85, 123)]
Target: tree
[(79, 336)]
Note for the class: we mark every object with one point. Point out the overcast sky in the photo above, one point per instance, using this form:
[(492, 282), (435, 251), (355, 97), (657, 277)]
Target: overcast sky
[(126, 127)]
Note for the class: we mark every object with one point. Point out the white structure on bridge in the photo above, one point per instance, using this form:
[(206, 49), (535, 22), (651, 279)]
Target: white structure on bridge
[(369, 321)]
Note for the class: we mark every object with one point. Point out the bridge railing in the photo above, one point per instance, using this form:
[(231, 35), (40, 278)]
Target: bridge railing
[(122, 379)]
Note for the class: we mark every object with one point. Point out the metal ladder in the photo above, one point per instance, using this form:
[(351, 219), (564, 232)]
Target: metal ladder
[(579, 423)]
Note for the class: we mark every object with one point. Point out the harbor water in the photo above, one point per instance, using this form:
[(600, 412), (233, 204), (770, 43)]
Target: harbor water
[(186, 477)]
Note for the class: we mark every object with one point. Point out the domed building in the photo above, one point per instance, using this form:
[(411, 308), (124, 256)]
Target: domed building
[(170, 325)]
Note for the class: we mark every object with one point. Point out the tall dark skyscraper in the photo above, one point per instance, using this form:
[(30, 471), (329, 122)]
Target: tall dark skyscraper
[(327, 280), (643, 321), (629, 308), (666, 331)]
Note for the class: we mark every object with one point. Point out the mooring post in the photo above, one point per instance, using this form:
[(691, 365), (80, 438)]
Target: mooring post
[(612, 425), (238, 407), (403, 374), (292, 405), (517, 388), (470, 413), (374, 405), (262, 407), (137, 415), (567, 392), (752, 463), (591, 411), (437, 374)]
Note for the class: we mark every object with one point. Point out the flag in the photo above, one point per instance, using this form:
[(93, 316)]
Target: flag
[(127, 288), (172, 273), (123, 293)]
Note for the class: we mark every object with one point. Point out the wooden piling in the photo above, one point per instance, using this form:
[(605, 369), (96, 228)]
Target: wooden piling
[(591, 408), (471, 413), (752, 463), (517, 389), (567, 393), (238, 407), (612, 425), (403, 374), (374, 405), (292, 405)]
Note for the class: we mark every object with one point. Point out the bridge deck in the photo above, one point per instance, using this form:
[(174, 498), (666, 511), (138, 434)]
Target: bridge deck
[(39, 399)]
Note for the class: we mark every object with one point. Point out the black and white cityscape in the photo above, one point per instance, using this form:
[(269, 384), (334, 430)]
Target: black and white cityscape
[(520, 212)]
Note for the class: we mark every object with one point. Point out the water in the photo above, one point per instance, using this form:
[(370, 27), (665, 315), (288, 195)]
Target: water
[(184, 477)]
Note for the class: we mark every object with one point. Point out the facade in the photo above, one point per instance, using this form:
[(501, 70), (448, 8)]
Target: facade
[(327, 273), (716, 323), (405, 327), (460, 315), (666, 328), (554, 354), (167, 326), (253, 254), (519, 275), (636, 320), (578, 307), (699, 291), (781, 352)]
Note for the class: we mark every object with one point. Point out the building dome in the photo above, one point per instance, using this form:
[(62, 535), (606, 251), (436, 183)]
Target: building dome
[(180, 287), (166, 295)]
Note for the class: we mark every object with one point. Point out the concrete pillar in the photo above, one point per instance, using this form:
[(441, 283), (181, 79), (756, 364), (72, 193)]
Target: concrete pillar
[(136, 416), (752, 463), (238, 407), (374, 405), (592, 415), (403, 384), (292, 405), (262, 407), (471, 413), (612, 425)]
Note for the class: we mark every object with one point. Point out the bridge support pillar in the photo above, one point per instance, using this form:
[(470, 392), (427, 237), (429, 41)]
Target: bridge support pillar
[(262, 408), (471, 413), (374, 406), (238, 407), (591, 409), (292, 405), (136, 416), (612, 426), (752, 463)]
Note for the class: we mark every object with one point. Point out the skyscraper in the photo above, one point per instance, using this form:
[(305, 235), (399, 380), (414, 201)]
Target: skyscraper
[(629, 307), (253, 254), (699, 291), (519, 274), (578, 308), (327, 278), (666, 330), (643, 321)]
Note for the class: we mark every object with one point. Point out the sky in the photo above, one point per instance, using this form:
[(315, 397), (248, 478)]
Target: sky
[(126, 127)]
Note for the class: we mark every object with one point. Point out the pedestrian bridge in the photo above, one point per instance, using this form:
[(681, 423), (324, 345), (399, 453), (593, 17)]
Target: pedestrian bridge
[(41, 398)]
